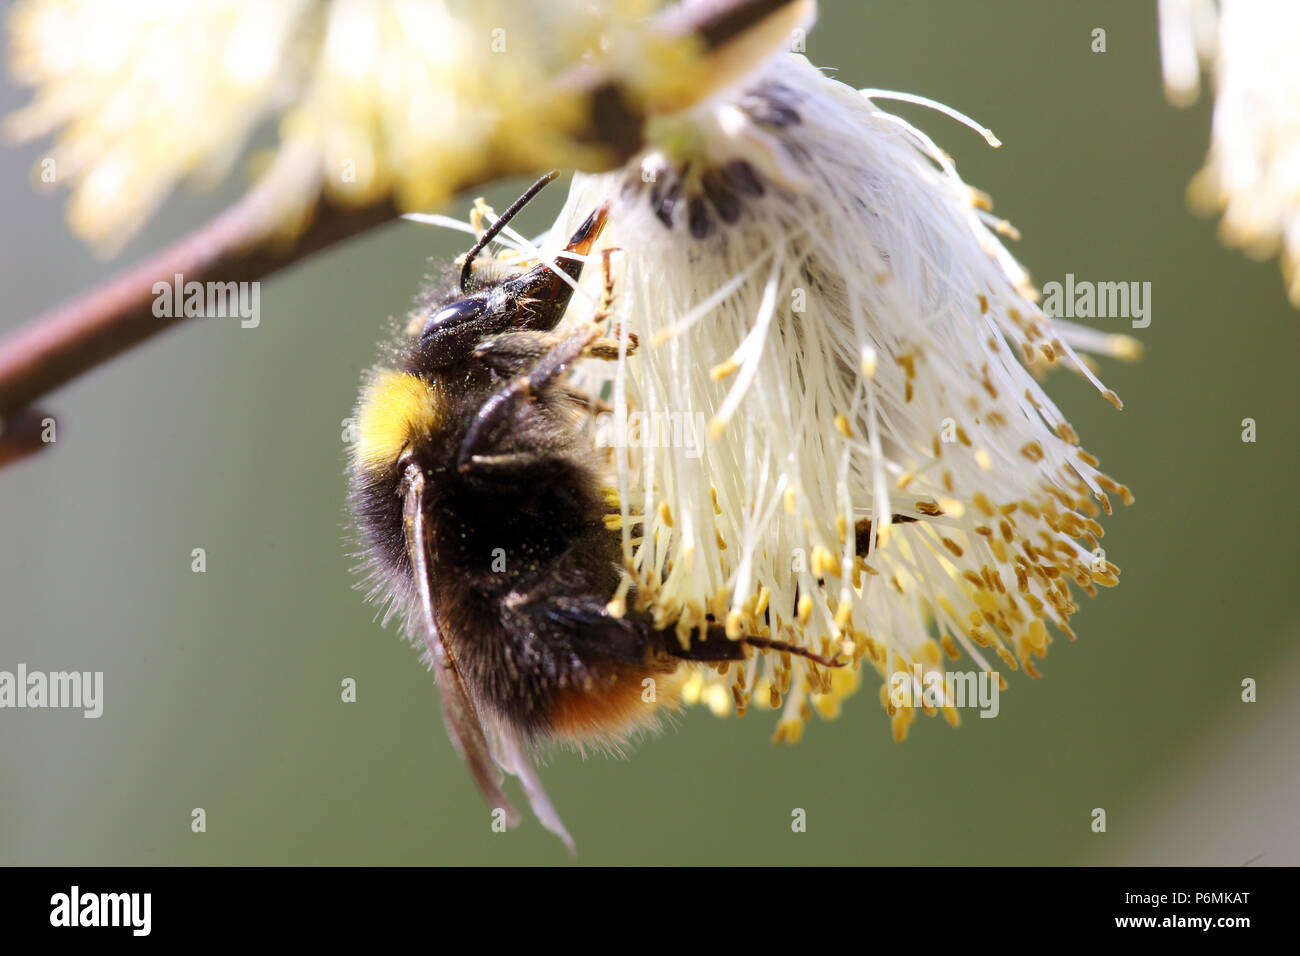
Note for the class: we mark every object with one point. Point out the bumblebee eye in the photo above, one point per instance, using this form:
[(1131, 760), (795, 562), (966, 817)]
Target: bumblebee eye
[(452, 332), (450, 317)]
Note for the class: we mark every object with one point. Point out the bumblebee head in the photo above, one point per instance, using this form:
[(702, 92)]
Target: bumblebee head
[(531, 301)]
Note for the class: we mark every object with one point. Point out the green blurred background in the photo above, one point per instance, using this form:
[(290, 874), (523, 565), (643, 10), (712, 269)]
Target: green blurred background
[(223, 688)]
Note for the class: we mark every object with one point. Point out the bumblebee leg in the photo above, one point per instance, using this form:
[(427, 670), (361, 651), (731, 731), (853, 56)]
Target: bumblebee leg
[(862, 544), (557, 361), (508, 353), (606, 349), (530, 466), (581, 624), (862, 532), (583, 400), (716, 647), (499, 410)]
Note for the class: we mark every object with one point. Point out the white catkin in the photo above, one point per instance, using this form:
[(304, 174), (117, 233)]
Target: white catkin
[(915, 326)]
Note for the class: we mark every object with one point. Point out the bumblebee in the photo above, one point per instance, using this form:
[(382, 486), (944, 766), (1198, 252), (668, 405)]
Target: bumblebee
[(478, 503)]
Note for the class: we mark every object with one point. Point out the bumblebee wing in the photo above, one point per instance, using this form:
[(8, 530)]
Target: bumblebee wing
[(512, 755), (458, 710)]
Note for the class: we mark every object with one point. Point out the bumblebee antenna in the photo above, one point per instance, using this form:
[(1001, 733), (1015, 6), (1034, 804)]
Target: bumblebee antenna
[(491, 232)]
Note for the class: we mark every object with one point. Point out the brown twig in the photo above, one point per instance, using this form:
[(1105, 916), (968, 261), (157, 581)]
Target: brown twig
[(239, 244), (22, 435), (73, 338)]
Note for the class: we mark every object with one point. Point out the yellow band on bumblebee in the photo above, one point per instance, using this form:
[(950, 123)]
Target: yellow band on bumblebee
[(397, 409)]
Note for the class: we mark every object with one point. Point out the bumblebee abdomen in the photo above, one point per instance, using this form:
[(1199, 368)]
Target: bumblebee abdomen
[(630, 700)]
